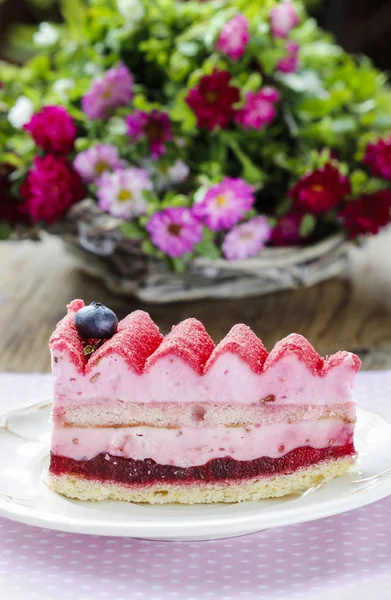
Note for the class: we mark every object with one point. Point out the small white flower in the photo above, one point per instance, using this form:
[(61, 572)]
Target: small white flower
[(116, 126), (21, 112), (61, 87), (132, 11), (167, 176), (178, 172), (91, 69), (47, 35)]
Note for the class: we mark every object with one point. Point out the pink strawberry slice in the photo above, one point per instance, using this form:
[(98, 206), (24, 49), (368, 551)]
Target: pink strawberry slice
[(136, 339), (189, 341), (242, 342)]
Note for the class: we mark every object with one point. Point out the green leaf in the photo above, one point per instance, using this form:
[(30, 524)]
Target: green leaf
[(74, 13), (208, 234), (252, 84), (178, 265), (358, 179), (148, 248), (283, 207), (306, 81), (5, 230), (132, 230), (11, 159), (251, 172), (208, 249), (344, 124), (152, 199), (307, 225)]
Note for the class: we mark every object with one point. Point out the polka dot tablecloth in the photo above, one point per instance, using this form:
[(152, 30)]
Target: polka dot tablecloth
[(345, 557)]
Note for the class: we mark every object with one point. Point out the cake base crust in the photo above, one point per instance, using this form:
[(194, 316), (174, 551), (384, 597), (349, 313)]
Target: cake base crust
[(258, 488)]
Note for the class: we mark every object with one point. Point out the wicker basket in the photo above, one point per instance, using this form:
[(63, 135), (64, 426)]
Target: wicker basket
[(94, 238)]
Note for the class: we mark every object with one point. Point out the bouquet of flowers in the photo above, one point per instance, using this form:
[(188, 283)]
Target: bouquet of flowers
[(209, 129)]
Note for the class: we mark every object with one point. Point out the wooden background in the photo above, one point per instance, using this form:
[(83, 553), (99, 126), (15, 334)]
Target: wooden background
[(351, 312)]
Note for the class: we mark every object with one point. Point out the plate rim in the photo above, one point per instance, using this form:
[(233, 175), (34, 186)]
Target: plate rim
[(169, 530)]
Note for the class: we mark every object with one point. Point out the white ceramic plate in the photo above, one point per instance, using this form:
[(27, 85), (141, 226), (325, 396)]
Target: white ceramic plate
[(24, 443)]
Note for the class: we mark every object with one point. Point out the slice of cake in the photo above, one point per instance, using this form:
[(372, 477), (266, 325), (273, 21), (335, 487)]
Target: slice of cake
[(146, 418)]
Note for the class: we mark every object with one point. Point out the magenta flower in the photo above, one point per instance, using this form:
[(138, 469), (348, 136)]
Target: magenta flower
[(91, 163), (50, 188), (287, 230), (174, 231), (282, 19), (213, 100), (113, 89), (258, 110), (290, 62), (154, 127), (122, 193), (225, 204), (53, 129), (246, 239), (378, 158), (269, 93), (234, 37)]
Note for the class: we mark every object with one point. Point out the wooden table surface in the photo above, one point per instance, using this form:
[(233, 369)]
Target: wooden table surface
[(351, 312)]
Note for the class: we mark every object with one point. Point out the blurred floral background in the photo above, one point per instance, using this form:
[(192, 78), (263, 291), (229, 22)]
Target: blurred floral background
[(359, 25), (196, 129)]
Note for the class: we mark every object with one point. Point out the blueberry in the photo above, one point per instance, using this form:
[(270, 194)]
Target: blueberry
[(96, 321)]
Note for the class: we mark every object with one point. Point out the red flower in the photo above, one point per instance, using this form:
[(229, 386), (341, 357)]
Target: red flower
[(51, 187), (378, 158), (368, 214), (212, 100), (53, 129), (320, 191), (287, 230), (10, 210)]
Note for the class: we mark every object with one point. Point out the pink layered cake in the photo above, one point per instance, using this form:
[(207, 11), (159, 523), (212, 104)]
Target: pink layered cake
[(146, 418)]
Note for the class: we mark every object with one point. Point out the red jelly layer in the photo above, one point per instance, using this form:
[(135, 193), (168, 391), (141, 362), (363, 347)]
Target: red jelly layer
[(106, 467)]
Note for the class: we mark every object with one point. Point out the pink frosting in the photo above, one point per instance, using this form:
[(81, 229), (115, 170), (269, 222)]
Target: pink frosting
[(192, 446), (229, 380)]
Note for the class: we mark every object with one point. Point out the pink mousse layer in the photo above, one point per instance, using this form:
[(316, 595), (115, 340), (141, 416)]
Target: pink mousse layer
[(191, 446), (229, 380)]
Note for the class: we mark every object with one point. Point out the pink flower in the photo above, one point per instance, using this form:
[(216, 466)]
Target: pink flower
[(174, 231), (287, 230), (51, 187), (247, 239), (113, 89), (213, 99), (234, 37), (282, 19), (53, 129), (258, 110), (225, 203), (91, 163), (290, 62), (378, 158), (154, 127), (122, 193)]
